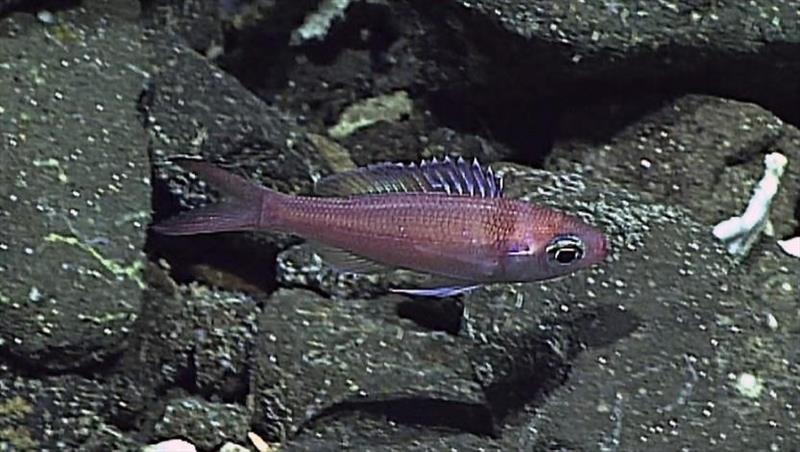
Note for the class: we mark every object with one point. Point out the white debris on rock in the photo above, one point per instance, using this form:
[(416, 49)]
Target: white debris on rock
[(46, 17), (749, 385), (740, 232)]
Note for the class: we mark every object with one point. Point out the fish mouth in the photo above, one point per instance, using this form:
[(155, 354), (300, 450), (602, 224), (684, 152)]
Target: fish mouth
[(603, 246)]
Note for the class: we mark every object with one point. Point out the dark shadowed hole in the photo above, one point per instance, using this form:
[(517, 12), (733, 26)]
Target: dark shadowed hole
[(257, 58), (34, 6), (460, 416), (235, 388), (435, 314), (525, 124), (220, 260), (797, 217), (366, 27), (186, 376), (257, 53), (232, 388), (234, 261)]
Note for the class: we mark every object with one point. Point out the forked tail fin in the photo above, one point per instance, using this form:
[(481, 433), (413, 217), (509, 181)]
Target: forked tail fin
[(246, 206)]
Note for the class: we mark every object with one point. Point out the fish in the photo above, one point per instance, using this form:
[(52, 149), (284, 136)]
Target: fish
[(446, 218)]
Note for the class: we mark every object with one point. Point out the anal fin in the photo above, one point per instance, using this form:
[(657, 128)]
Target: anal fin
[(429, 285), (347, 262)]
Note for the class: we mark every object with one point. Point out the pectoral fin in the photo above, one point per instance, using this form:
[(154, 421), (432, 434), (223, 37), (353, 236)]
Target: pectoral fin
[(437, 286), (439, 292)]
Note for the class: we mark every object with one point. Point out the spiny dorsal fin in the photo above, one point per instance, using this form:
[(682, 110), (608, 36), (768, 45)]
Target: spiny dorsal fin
[(455, 177)]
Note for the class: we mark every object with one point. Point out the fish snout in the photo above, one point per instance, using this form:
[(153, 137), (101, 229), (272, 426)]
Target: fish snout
[(597, 246)]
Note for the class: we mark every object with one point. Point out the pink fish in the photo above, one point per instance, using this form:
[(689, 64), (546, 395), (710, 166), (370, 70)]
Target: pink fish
[(445, 218)]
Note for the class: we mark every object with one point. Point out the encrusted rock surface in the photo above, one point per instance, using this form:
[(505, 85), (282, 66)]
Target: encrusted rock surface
[(650, 121), (74, 190)]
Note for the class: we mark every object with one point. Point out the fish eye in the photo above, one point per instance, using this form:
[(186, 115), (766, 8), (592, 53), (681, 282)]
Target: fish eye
[(565, 250)]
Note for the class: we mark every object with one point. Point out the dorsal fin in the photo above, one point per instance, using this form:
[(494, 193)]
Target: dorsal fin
[(455, 177)]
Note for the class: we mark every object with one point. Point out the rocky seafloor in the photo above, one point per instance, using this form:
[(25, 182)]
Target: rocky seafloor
[(650, 120)]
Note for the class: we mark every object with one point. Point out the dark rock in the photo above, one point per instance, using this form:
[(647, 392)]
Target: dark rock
[(670, 368), (318, 357), (199, 24), (199, 342), (56, 413), (529, 338), (371, 433), (195, 109), (206, 425), (593, 49), (75, 190), (652, 349), (701, 152)]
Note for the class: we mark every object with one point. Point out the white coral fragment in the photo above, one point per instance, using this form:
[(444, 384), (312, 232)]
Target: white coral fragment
[(317, 24), (791, 246), (171, 445), (740, 232)]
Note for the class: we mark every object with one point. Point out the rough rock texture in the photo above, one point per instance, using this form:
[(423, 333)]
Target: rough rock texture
[(592, 347), (74, 190), (704, 153), (667, 345), (56, 413), (195, 109), (670, 283), (190, 341), (209, 425), (317, 356), (682, 44)]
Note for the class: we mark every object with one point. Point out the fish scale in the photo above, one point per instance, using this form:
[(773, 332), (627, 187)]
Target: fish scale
[(381, 216)]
